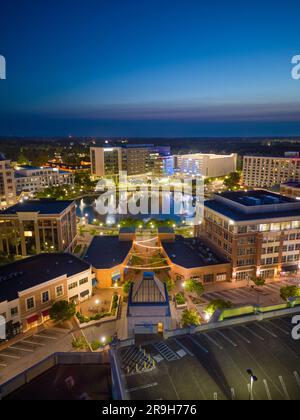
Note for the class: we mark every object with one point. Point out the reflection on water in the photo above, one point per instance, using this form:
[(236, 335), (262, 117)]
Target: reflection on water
[(163, 206)]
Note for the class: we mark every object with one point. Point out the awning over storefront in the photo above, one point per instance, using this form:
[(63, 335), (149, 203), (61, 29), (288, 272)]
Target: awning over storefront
[(32, 319), (290, 268), (45, 313), (85, 293), (116, 277)]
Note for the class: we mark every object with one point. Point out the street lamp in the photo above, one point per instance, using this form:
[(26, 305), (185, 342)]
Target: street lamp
[(253, 379)]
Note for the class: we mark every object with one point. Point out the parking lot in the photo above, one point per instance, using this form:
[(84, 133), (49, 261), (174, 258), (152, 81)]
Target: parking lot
[(267, 295), (213, 366), (28, 347)]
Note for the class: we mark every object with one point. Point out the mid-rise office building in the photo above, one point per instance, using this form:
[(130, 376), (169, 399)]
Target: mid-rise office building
[(106, 161), (33, 227), (266, 172), (133, 159), (136, 159), (34, 179), (258, 231), (163, 166), (29, 287), (291, 189), (7, 184), (207, 165)]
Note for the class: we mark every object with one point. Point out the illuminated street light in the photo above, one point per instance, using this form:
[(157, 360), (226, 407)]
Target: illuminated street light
[(207, 317), (253, 379)]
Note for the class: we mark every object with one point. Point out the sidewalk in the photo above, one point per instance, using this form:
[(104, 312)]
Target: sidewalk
[(121, 324), (219, 287)]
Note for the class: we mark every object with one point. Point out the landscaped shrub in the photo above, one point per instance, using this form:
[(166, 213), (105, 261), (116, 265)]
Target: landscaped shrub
[(85, 319), (95, 345), (81, 318), (80, 344), (217, 304), (180, 299)]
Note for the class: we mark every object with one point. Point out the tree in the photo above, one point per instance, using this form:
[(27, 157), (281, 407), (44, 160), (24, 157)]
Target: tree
[(22, 160), (289, 292), (259, 281), (62, 311), (232, 180), (194, 286), (190, 318), (217, 304), (169, 283), (127, 286)]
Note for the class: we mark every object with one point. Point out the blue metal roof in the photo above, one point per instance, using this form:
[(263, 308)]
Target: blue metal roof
[(47, 207), (191, 253), (31, 272), (107, 252), (238, 216)]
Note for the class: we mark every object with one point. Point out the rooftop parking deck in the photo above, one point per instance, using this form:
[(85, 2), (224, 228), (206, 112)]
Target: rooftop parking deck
[(213, 365)]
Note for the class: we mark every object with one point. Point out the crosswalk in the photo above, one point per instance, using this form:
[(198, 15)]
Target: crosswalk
[(166, 352)]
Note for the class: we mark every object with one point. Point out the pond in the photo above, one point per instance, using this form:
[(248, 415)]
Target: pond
[(168, 207)]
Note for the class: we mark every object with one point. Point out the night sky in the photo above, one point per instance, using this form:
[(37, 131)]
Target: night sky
[(149, 68)]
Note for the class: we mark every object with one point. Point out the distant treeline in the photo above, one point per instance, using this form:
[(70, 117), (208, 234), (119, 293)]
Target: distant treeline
[(75, 149)]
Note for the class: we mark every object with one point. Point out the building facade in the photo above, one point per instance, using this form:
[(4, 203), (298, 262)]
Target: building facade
[(106, 161), (133, 159), (136, 159), (257, 231), (34, 179), (28, 288), (291, 189), (7, 184), (192, 259), (266, 172), (207, 165), (33, 227)]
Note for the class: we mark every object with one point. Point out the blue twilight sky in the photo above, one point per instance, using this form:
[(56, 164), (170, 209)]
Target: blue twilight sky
[(149, 67)]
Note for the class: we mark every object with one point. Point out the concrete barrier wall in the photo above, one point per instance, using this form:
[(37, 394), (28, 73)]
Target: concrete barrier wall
[(118, 383), (248, 310), (231, 322), (40, 368), (46, 364)]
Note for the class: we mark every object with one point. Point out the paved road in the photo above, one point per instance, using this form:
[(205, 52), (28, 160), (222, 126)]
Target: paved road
[(215, 365)]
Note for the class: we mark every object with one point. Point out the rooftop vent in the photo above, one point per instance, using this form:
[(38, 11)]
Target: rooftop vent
[(270, 199), (251, 201)]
